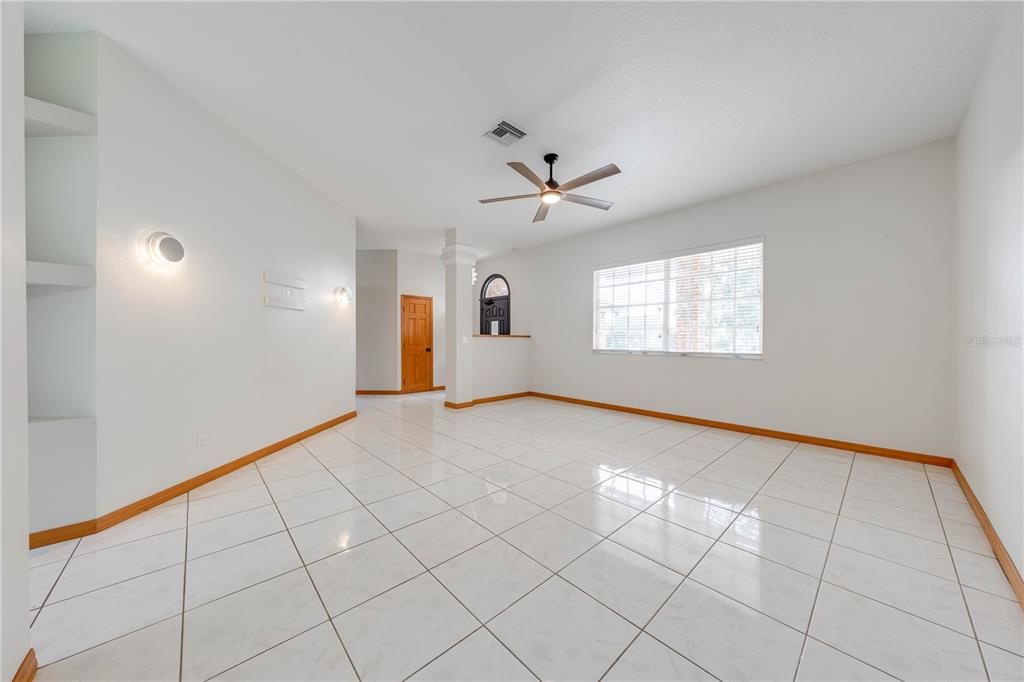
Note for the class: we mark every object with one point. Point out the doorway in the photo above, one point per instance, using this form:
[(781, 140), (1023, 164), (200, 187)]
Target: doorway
[(417, 343)]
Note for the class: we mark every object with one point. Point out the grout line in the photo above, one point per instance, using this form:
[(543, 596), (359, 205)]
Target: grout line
[(896, 608), (643, 629), (126, 542), (309, 577), (114, 639), (49, 592), (119, 582), (824, 567), (956, 572), (260, 653), (184, 587), (427, 570)]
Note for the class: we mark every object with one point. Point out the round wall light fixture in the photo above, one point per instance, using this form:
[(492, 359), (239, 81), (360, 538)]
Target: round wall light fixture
[(343, 295), (164, 250)]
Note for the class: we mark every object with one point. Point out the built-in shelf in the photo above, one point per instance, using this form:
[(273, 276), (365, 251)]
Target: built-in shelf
[(44, 119), (502, 336), (53, 420), (39, 273)]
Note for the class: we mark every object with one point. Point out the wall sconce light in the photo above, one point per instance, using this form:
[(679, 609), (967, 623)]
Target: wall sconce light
[(343, 295), (164, 251)]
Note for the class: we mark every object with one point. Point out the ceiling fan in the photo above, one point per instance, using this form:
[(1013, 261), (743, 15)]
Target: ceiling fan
[(551, 192)]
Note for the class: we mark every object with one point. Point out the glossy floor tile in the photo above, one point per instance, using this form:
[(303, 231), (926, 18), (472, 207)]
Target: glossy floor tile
[(531, 539)]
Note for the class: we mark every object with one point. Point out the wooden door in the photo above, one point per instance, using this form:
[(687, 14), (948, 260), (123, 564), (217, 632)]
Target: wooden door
[(417, 343)]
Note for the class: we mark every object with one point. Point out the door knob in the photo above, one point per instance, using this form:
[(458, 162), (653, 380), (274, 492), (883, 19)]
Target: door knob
[(428, 350)]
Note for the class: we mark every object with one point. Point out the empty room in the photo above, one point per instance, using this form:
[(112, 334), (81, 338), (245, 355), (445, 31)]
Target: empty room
[(466, 341)]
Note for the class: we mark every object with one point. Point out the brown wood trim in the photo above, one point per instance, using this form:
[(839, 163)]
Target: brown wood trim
[(502, 336), (998, 548), (758, 431), (507, 396), (52, 536), (492, 399), (382, 392), (76, 530), (27, 669), (892, 453)]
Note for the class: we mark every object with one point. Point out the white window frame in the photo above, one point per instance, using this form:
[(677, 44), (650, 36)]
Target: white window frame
[(761, 239)]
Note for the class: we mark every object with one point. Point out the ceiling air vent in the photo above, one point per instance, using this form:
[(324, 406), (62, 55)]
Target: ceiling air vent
[(505, 133)]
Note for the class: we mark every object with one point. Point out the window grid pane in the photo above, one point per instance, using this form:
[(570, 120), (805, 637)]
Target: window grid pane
[(705, 302)]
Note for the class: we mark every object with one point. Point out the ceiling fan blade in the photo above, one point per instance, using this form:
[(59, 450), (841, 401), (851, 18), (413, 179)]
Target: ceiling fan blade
[(587, 201), (520, 167), (592, 176), (517, 196), (542, 212)]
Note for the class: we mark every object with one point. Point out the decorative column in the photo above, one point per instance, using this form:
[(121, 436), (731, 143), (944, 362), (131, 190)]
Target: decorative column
[(458, 258)]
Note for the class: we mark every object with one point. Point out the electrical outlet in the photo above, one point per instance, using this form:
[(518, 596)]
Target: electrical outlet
[(200, 443)]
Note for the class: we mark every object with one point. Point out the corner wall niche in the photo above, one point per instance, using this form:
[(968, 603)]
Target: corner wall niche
[(60, 245)]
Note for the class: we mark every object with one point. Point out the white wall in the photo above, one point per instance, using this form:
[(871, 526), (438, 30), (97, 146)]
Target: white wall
[(423, 275), (14, 640), (500, 366), (990, 291), (857, 315), (378, 365), (194, 351)]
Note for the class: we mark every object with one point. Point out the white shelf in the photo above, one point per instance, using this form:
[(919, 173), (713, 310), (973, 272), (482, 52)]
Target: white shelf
[(43, 119), (59, 274), (54, 420)]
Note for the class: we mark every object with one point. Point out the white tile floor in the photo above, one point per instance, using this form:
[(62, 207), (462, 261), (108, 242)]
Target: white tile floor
[(535, 539)]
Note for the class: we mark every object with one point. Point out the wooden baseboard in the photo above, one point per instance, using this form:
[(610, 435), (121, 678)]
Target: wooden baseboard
[(998, 548), (27, 669), (507, 396), (758, 431), (492, 399), (893, 453), (384, 392), (76, 530)]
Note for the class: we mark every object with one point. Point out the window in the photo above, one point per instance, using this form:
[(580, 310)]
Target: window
[(706, 301), (495, 305), (496, 286)]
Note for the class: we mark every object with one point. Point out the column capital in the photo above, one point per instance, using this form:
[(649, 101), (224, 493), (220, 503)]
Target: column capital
[(458, 254)]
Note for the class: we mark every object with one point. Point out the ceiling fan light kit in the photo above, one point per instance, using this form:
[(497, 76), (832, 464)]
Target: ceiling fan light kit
[(550, 192)]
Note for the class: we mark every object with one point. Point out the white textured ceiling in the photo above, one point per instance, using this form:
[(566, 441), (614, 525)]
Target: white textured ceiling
[(383, 105)]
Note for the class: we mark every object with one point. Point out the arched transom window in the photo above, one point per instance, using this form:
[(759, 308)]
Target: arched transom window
[(496, 286)]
